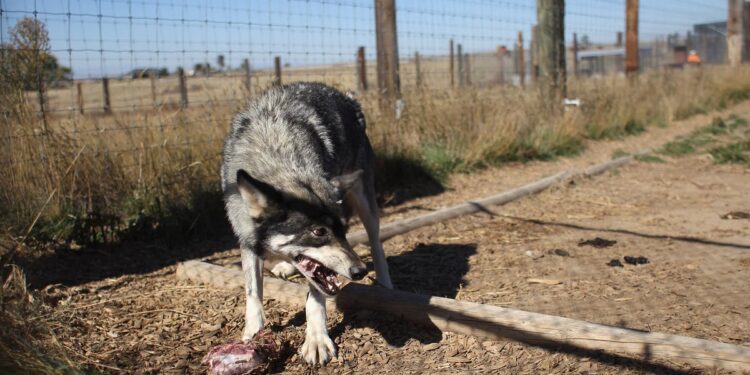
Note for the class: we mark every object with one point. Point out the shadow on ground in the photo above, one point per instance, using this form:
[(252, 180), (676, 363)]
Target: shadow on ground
[(74, 267), (429, 269)]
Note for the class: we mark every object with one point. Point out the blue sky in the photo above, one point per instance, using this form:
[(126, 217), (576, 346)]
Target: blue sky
[(109, 37)]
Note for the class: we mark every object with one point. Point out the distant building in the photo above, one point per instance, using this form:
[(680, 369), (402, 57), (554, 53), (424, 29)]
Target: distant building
[(710, 41)]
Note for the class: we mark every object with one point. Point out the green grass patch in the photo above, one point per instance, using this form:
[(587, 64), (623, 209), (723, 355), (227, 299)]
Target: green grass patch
[(631, 127), (619, 153), (735, 153), (649, 158)]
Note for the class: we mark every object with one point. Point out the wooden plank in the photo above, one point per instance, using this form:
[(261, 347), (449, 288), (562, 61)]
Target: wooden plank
[(493, 322)]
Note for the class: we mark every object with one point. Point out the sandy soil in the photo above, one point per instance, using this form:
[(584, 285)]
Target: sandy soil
[(134, 316)]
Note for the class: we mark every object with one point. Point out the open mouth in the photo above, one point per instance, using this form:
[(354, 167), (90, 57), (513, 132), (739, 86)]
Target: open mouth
[(326, 278)]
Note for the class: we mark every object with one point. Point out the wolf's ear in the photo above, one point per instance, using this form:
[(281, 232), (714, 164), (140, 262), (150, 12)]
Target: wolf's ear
[(259, 197), (346, 181)]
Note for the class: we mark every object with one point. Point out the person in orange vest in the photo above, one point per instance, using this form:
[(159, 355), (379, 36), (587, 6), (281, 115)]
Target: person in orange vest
[(694, 58)]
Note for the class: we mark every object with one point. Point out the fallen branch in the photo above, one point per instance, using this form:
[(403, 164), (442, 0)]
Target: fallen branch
[(492, 322), (402, 226)]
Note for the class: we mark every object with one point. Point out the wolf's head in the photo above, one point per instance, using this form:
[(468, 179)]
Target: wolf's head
[(310, 234)]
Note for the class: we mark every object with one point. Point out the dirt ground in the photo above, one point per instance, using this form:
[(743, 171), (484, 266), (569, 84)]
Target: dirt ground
[(695, 284)]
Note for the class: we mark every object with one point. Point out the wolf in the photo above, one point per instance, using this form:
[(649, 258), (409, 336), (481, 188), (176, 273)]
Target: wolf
[(296, 165)]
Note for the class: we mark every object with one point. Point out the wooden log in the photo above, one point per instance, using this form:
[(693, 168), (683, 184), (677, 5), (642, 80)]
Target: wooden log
[(449, 315), (390, 230), (402, 226)]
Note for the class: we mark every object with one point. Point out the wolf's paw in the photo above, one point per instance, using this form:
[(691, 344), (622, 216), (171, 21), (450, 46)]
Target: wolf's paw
[(317, 349), (284, 270)]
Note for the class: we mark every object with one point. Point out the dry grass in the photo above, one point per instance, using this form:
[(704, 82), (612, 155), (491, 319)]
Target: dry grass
[(154, 172), (27, 344)]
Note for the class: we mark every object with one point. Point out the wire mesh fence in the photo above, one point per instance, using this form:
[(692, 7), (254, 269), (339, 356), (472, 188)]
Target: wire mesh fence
[(227, 50)]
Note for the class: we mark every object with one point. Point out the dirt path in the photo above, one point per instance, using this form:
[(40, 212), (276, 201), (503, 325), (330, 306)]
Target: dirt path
[(696, 282)]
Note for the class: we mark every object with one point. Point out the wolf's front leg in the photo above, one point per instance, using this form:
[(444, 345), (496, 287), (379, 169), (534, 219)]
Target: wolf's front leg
[(318, 347), (252, 267)]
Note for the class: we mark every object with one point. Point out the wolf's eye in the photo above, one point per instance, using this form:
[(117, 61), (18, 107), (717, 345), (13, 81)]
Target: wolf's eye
[(319, 232)]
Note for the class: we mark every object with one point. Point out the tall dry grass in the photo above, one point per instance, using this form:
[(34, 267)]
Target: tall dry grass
[(155, 172)]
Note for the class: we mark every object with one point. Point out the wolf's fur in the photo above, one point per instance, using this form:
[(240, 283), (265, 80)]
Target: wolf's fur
[(297, 163)]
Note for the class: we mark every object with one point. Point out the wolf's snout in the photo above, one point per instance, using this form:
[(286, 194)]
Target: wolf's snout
[(358, 273)]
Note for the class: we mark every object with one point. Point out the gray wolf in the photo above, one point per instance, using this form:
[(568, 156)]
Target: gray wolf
[(296, 165)]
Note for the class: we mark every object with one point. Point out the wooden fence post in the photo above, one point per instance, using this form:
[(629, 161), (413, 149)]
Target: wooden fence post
[(746, 31), (387, 49), (460, 60), (501, 66), (79, 95), (551, 18), (450, 62), (183, 88), (154, 103), (735, 33), (534, 51), (361, 69), (417, 68), (631, 37), (277, 70), (107, 106), (575, 55), (520, 62), (42, 96), (467, 69), (248, 77)]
